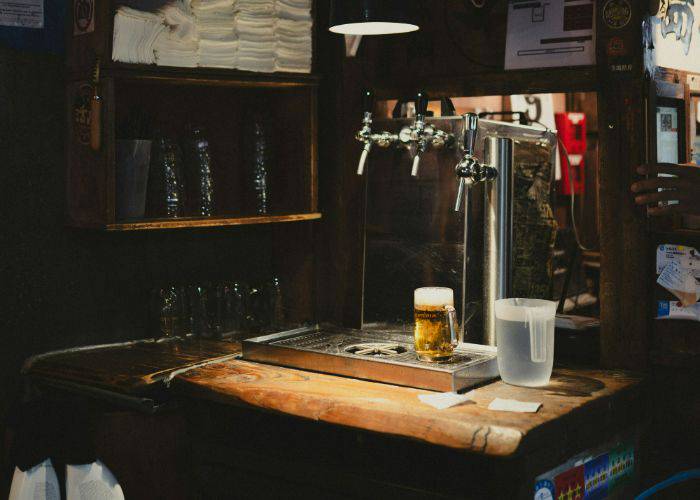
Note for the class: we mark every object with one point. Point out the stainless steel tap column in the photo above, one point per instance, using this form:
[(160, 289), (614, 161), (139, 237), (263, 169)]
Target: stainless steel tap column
[(498, 230)]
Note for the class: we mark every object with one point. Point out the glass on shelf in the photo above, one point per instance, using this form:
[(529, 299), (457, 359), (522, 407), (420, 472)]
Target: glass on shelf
[(166, 188), (198, 161)]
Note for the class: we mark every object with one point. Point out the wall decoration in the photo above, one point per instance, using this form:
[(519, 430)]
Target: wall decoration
[(83, 17), (675, 36), (617, 13)]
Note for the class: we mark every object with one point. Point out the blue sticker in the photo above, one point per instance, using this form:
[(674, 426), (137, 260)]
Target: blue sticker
[(663, 308), (544, 490), (596, 474)]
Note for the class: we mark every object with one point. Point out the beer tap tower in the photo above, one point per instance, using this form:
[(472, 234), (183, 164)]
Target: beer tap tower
[(497, 174), (380, 349)]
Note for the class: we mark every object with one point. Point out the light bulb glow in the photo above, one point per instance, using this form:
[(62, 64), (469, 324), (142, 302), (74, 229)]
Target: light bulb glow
[(373, 28)]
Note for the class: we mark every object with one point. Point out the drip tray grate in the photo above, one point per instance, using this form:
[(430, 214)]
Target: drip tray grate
[(379, 356)]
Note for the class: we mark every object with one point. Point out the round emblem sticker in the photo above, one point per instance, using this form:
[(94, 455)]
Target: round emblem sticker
[(617, 13), (544, 490)]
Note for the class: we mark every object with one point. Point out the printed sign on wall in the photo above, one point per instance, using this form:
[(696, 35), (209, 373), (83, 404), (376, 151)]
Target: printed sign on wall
[(675, 34), (544, 34), (22, 13)]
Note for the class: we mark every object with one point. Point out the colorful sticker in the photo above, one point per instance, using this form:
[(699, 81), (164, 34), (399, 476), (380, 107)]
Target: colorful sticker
[(621, 465), (617, 13), (616, 47), (570, 485), (544, 490), (596, 477)]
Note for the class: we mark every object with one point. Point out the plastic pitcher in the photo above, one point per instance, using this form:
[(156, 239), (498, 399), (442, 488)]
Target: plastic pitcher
[(525, 339)]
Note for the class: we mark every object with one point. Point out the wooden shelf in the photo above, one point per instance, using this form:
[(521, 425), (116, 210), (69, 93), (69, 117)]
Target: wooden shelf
[(201, 222), (208, 76)]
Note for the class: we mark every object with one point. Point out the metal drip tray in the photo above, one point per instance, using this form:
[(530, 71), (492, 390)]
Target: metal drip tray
[(378, 356)]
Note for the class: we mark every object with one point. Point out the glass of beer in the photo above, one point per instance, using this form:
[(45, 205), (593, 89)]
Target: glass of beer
[(435, 333)]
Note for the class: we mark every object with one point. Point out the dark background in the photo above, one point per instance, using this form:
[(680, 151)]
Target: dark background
[(63, 287)]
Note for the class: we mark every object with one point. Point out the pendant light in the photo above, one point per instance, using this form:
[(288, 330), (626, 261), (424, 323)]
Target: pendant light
[(372, 17)]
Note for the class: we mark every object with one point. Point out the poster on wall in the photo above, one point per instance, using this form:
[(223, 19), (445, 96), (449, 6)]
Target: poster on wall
[(548, 34), (538, 108), (22, 13), (675, 35)]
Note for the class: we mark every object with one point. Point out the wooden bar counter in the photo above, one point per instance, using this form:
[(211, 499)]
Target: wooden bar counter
[(572, 397), (266, 431), (357, 438)]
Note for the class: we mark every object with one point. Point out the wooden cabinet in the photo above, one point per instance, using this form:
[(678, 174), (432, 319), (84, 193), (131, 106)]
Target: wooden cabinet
[(279, 243), (220, 101)]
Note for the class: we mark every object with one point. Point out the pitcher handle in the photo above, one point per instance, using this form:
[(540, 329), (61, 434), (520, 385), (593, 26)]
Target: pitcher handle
[(538, 335), (452, 323)]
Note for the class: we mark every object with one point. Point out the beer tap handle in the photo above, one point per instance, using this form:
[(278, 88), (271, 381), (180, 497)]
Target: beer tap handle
[(421, 111), (367, 101), (363, 158), (468, 170), (421, 104), (460, 193), (416, 163), (471, 125), (365, 134)]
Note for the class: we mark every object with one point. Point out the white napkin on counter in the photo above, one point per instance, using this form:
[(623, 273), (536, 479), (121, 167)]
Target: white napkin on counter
[(443, 400), (513, 405)]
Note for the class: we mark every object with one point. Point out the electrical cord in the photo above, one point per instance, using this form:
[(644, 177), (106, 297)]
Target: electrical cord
[(675, 479), (573, 196), (571, 189)]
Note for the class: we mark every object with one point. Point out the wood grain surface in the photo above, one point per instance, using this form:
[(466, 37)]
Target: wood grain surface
[(129, 368), (575, 399), (195, 222)]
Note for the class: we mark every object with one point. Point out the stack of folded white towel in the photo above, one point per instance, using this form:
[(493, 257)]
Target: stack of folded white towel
[(178, 45), (217, 36), (135, 32), (293, 36), (252, 35), (255, 27)]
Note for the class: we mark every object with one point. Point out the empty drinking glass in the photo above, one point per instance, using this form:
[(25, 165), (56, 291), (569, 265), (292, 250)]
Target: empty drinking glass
[(167, 312)]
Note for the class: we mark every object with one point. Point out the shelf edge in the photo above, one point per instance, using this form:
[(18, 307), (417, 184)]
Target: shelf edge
[(185, 223)]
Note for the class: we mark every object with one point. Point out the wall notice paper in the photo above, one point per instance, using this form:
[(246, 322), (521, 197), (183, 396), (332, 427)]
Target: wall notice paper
[(22, 13), (675, 36), (667, 134), (539, 108), (678, 267), (92, 482), (444, 400), (38, 482), (547, 34), (514, 405)]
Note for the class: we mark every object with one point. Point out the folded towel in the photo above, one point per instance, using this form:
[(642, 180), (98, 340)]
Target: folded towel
[(135, 32), (252, 35)]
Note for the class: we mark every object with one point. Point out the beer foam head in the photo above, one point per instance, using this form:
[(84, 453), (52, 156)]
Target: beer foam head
[(433, 296)]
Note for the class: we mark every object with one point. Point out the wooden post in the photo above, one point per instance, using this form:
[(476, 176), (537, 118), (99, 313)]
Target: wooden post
[(624, 238)]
